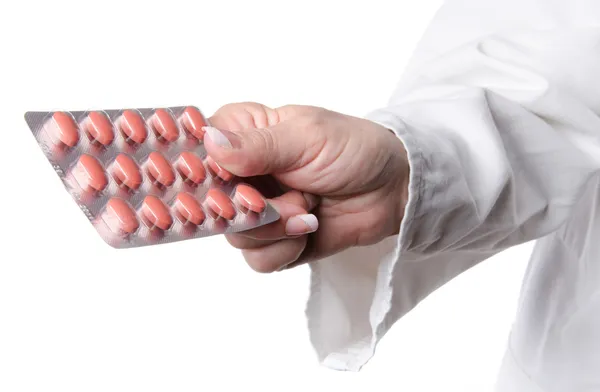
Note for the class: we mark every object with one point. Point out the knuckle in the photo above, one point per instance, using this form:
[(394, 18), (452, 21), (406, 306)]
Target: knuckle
[(316, 119), (264, 141), (228, 108), (289, 111), (236, 106), (265, 138)]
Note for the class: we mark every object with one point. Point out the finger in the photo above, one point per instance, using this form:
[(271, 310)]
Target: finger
[(335, 233), (257, 151), (273, 257), (294, 220), (244, 115), (241, 242), (288, 205), (295, 226), (247, 115), (308, 254), (268, 186)]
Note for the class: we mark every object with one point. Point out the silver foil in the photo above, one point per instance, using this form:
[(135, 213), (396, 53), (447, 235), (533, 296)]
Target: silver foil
[(63, 160)]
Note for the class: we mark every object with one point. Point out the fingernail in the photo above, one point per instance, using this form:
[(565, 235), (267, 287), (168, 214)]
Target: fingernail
[(301, 224), (219, 137)]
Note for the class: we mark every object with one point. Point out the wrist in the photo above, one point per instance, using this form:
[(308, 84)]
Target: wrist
[(403, 193), (401, 189)]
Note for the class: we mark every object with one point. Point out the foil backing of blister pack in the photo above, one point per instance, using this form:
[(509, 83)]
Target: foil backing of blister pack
[(65, 160)]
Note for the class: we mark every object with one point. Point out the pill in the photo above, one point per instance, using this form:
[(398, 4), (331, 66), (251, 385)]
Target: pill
[(160, 170), (99, 128), (164, 126), (155, 213), (191, 168), (219, 204), (249, 198), (189, 209), (89, 174), (64, 129), (193, 121), (126, 172), (217, 170), (120, 217), (133, 127)]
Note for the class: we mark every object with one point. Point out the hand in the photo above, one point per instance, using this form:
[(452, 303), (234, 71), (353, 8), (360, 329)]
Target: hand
[(346, 179)]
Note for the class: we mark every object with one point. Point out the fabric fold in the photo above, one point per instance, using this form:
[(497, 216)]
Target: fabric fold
[(351, 292)]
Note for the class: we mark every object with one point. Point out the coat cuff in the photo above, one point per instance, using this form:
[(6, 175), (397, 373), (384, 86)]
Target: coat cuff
[(351, 293)]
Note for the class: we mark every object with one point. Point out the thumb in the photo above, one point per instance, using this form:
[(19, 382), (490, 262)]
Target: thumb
[(259, 151)]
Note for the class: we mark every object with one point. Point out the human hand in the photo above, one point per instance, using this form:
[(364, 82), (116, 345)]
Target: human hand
[(346, 179)]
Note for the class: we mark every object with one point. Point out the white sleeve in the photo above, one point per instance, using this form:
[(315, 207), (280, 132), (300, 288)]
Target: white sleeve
[(498, 111)]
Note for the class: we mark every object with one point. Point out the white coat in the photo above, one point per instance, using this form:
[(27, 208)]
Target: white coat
[(499, 110)]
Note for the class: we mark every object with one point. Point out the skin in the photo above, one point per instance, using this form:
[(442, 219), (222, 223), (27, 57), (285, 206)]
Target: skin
[(350, 173)]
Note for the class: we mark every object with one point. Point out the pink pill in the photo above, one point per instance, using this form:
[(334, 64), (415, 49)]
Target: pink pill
[(155, 213), (249, 198), (191, 168), (126, 172), (133, 127), (193, 121), (99, 128), (160, 170), (217, 170), (219, 204), (89, 174), (120, 217), (63, 129), (164, 126), (189, 209)]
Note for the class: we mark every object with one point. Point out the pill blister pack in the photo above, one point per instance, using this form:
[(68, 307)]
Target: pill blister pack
[(142, 176)]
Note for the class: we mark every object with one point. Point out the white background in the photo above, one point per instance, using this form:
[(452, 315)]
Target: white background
[(77, 315)]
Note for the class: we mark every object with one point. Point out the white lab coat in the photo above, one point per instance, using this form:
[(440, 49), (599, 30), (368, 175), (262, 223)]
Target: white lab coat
[(499, 111)]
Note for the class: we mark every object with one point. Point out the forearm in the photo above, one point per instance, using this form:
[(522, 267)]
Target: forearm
[(498, 114), (502, 137)]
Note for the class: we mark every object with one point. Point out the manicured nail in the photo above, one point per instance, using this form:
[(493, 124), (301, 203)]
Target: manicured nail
[(218, 137), (301, 224)]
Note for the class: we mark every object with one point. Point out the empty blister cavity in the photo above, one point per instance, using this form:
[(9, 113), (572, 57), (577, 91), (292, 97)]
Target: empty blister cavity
[(126, 172), (99, 129), (192, 120), (164, 126), (89, 174), (133, 127), (155, 214), (188, 209), (160, 170)]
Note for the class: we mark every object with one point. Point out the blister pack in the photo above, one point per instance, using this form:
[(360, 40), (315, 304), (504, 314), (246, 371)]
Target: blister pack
[(142, 176)]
